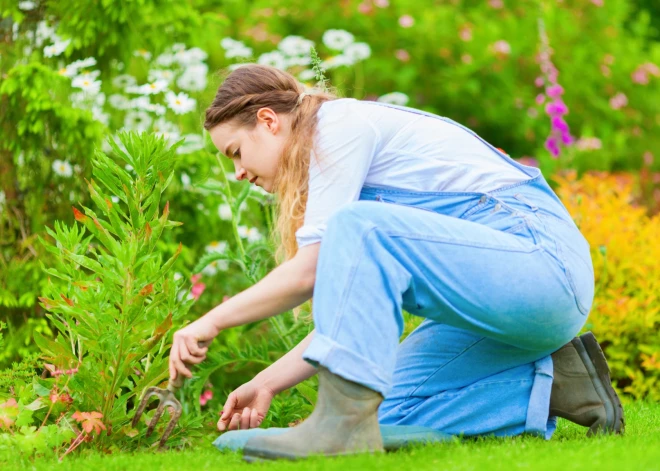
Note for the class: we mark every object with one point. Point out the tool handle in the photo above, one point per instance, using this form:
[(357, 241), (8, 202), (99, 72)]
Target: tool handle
[(175, 385)]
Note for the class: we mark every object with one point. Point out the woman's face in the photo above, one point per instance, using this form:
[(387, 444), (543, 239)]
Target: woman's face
[(256, 152)]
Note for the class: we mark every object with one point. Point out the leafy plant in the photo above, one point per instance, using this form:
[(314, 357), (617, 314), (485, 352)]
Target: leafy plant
[(115, 300)]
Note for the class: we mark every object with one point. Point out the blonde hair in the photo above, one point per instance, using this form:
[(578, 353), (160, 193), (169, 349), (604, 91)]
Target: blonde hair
[(242, 93)]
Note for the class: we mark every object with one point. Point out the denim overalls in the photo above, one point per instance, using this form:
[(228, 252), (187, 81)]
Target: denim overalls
[(503, 279)]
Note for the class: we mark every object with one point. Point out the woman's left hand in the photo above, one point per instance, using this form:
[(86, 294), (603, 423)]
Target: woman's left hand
[(186, 346)]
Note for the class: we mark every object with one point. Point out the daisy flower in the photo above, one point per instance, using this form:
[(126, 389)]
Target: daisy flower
[(180, 103), (337, 39), (395, 98), (153, 88), (357, 51), (295, 45), (217, 246), (137, 120), (274, 59), (124, 80), (224, 211), (62, 168), (88, 85)]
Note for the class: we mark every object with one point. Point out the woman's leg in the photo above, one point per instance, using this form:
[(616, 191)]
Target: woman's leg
[(378, 258), (458, 382)]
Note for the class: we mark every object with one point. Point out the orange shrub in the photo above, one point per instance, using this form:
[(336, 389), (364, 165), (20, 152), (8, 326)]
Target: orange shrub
[(625, 247)]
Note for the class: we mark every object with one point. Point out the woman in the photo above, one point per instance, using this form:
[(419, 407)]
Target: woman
[(384, 208)]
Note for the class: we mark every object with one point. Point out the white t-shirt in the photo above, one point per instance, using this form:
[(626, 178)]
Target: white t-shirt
[(361, 144)]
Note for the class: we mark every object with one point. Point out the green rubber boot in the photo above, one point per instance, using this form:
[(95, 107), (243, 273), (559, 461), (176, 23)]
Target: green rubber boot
[(344, 421), (582, 391)]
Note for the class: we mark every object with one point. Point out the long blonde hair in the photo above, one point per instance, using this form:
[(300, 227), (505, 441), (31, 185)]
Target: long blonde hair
[(242, 93)]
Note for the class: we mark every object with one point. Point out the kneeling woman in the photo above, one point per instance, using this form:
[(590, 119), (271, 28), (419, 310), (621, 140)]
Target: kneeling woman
[(384, 208)]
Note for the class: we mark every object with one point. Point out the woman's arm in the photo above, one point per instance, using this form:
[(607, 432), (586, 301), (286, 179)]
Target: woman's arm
[(289, 370), (285, 287)]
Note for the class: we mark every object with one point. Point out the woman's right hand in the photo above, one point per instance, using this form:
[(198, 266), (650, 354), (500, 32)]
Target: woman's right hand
[(246, 407)]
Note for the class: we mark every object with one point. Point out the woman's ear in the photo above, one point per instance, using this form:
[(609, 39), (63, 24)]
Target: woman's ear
[(269, 118)]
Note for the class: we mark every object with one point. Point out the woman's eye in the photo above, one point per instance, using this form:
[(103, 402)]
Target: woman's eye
[(237, 152)]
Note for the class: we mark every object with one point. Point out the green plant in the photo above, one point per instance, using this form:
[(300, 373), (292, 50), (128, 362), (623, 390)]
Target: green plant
[(115, 300)]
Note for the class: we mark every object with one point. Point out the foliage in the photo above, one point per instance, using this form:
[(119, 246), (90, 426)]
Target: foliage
[(115, 299), (624, 247)]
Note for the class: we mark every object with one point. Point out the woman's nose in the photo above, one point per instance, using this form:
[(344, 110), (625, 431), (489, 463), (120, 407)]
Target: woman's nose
[(241, 173)]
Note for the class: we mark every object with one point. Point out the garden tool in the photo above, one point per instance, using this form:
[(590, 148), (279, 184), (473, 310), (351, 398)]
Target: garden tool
[(167, 398)]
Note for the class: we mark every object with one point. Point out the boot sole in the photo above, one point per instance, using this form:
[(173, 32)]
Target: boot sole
[(594, 360), (256, 456)]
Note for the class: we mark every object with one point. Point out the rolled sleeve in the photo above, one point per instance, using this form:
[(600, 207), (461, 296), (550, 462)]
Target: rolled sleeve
[(346, 143)]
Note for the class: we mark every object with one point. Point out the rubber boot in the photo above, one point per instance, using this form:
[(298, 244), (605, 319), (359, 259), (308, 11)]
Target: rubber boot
[(582, 391), (344, 421)]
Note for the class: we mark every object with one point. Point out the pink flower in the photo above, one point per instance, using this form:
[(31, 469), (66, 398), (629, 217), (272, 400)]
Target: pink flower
[(605, 70), (497, 4), (402, 55), (588, 143), (466, 58), (618, 101), (205, 397), (406, 21), (195, 278), (502, 47), (648, 158), (555, 91), (559, 124), (197, 290), (465, 33), (382, 3), (556, 108), (598, 3), (364, 8), (640, 76), (552, 146), (540, 99), (539, 82), (608, 59)]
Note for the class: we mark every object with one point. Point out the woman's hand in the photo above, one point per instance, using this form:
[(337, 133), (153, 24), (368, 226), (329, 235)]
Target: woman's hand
[(246, 407), (186, 347)]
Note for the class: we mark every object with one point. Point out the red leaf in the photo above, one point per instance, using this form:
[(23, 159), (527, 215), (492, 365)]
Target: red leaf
[(147, 289), (68, 301), (78, 215)]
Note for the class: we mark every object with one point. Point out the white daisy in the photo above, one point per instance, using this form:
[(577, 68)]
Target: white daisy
[(163, 125), (62, 168), (210, 269), (224, 211), (192, 56), (274, 59), (87, 85), (165, 59), (44, 32), (358, 51), (57, 48), (137, 120), (140, 103), (185, 179), (115, 199), (337, 39), (253, 235), (240, 51), (68, 71), (158, 74), (146, 55), (337, 61), (119, 102), (242, 231), (180, 103), (194, 78), (26, 5), (124, 80), (83, 63), (176, 47), (217, 246), (299, 60), (295, 45), (153, 88), (229, 43), (395, 98), (233, 67)]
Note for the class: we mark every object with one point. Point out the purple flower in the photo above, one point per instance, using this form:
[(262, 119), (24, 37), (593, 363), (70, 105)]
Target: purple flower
[(552, 146), (555, 91), (540, 99), (566, 138), (559, 124), (556, 108)]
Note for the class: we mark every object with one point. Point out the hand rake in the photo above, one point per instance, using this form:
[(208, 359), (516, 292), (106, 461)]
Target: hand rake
[(167, 398)]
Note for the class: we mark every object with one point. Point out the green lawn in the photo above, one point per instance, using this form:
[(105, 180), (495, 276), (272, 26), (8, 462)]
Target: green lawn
[(568, 450)]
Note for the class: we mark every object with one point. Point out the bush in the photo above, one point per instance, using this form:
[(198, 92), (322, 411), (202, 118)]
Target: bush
[(624, 247)]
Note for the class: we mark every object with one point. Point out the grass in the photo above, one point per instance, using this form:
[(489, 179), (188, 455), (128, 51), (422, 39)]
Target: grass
[(568, 450)]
